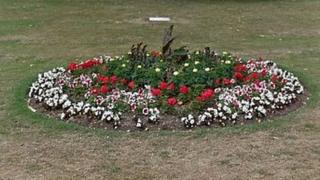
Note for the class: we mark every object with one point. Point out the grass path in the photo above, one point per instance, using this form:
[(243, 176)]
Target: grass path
[(38, 35)]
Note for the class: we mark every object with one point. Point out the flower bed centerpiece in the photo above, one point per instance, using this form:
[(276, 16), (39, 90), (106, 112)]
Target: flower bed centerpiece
[(165, 89)]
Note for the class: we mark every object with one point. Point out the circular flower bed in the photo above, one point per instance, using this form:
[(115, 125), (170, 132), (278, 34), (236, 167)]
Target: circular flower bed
[(166, 90), (142, 90)]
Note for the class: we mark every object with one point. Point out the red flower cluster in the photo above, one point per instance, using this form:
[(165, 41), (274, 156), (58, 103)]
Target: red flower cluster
[(205, 95), (72, 66), (172, 101), (184, 89), (226, 81), (113, 79), (103, 79), (164, 85), (95, 90), (89, 63), (155, 92), (104, 89), (240, 68), (238, 76)]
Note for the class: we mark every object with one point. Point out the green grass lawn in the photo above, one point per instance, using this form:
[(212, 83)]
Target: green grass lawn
[(36, 35)]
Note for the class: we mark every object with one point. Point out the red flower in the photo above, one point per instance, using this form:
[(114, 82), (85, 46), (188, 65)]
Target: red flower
[(163, 85), (226, 81), (104, 89), (95, 90), (263, 73), (254, 75), (238, 76), (247, 79), (72, 66), (131, 85), (89, 63), (240, 68), (103, 79), (184, 89), (171, 87), (205, 94), (113, 79), (171, 101), (155, 92)]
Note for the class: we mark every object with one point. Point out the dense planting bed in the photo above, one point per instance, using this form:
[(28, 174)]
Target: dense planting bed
[(166, 90), (203, 89)]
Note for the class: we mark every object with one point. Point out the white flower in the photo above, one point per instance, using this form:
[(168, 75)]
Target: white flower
[(139, 66), (195, 70), (186, 64), (157, 69), (197, 52), (175, 73), (145, 111), (207, 69), (123, 65), (224, 53), (228, 62), (196, 62)]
